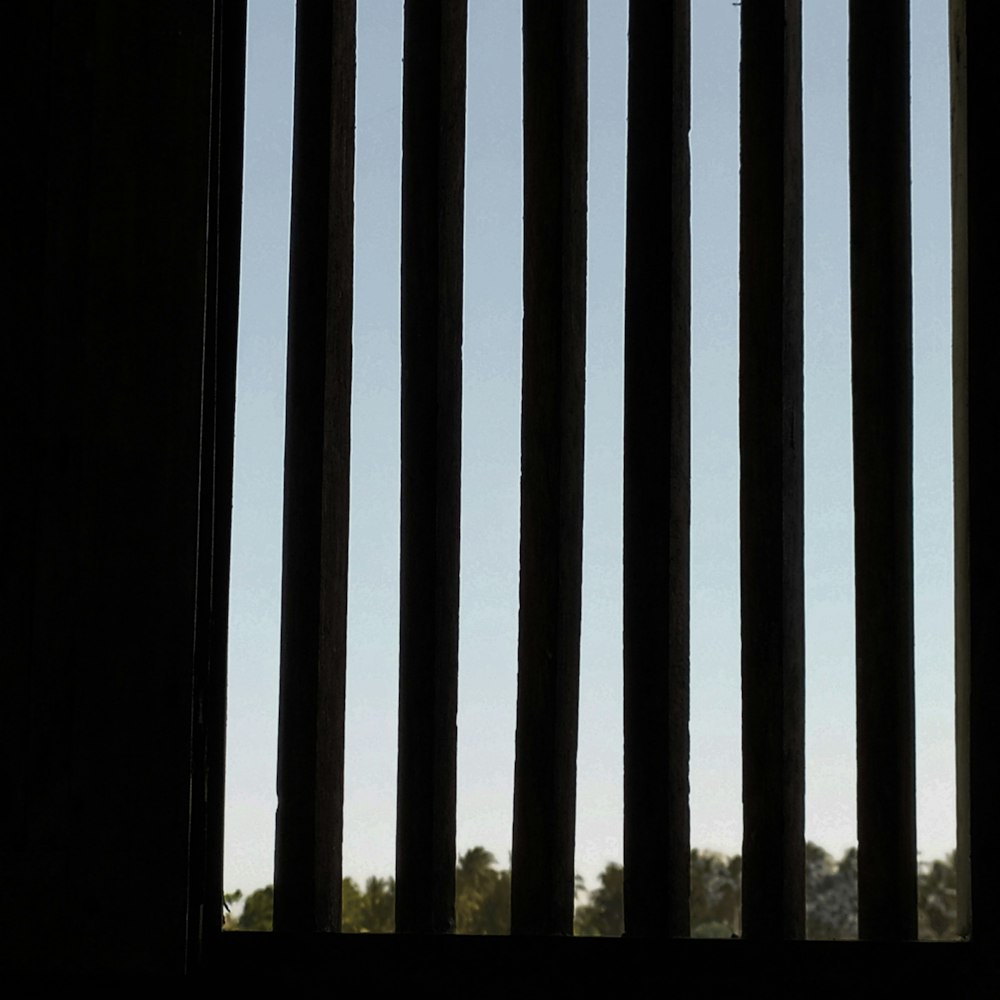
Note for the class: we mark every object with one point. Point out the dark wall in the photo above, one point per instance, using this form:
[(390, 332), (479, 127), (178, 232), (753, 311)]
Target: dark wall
[(117, 389)]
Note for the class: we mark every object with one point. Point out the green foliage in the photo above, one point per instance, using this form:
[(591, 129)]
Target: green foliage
[(715, 894), (378, 907), (831, 895), (712, 929), (604, 914), (494, 911), (372, 911), (258, 910), (482, 899), (937, 900), (482, 894), (350, 908)]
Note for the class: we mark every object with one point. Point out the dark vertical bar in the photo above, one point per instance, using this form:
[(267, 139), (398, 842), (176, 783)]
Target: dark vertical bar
[(107, 633), (552, 394), (771, 491), (317, 473), (657, 509), (881, 357), (976, 217), (218, 416), (433, 202)]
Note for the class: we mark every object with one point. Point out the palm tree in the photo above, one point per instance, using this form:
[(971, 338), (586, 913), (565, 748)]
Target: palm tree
[(604, 914), (482, 894)]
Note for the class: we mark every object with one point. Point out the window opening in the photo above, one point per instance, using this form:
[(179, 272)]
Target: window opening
[(491, 428)]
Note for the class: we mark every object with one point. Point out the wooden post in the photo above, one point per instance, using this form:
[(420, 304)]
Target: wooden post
[(552, 394), (308, 843), (976, 215), (771, 470), (218, 419), (657, 501), (433, 202), (882, 379)]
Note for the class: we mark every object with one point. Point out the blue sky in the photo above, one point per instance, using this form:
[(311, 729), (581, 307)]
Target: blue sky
[(488, 637)]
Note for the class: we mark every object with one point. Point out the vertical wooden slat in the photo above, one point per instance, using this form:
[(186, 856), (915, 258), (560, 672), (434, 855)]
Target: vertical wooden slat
[(552, 396), (317, 473), (219, 409), (771, 469), (881, 356), (432, 208), (976, 319), (657, 500)]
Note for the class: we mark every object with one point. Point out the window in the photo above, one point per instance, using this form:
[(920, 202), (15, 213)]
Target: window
[(766, 503), (117, 512)]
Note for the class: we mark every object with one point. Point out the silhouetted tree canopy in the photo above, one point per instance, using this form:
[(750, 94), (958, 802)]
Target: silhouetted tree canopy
[(258, 910), (482, 899), (603, 914), (482, 894), (831, 895)]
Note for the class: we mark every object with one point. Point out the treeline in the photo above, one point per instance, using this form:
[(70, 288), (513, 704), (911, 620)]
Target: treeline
[(482, 899)]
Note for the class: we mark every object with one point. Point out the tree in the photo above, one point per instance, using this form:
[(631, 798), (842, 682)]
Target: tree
[(937, 896), (372, 911), (482, 899), (604, 913), (379, 905), (715, 894), (258, 911), (350, 907), (482, 894), (494, 912), (831, 895)]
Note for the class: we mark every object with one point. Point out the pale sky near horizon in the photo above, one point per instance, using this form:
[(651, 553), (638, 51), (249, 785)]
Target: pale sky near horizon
[(491, 430)]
